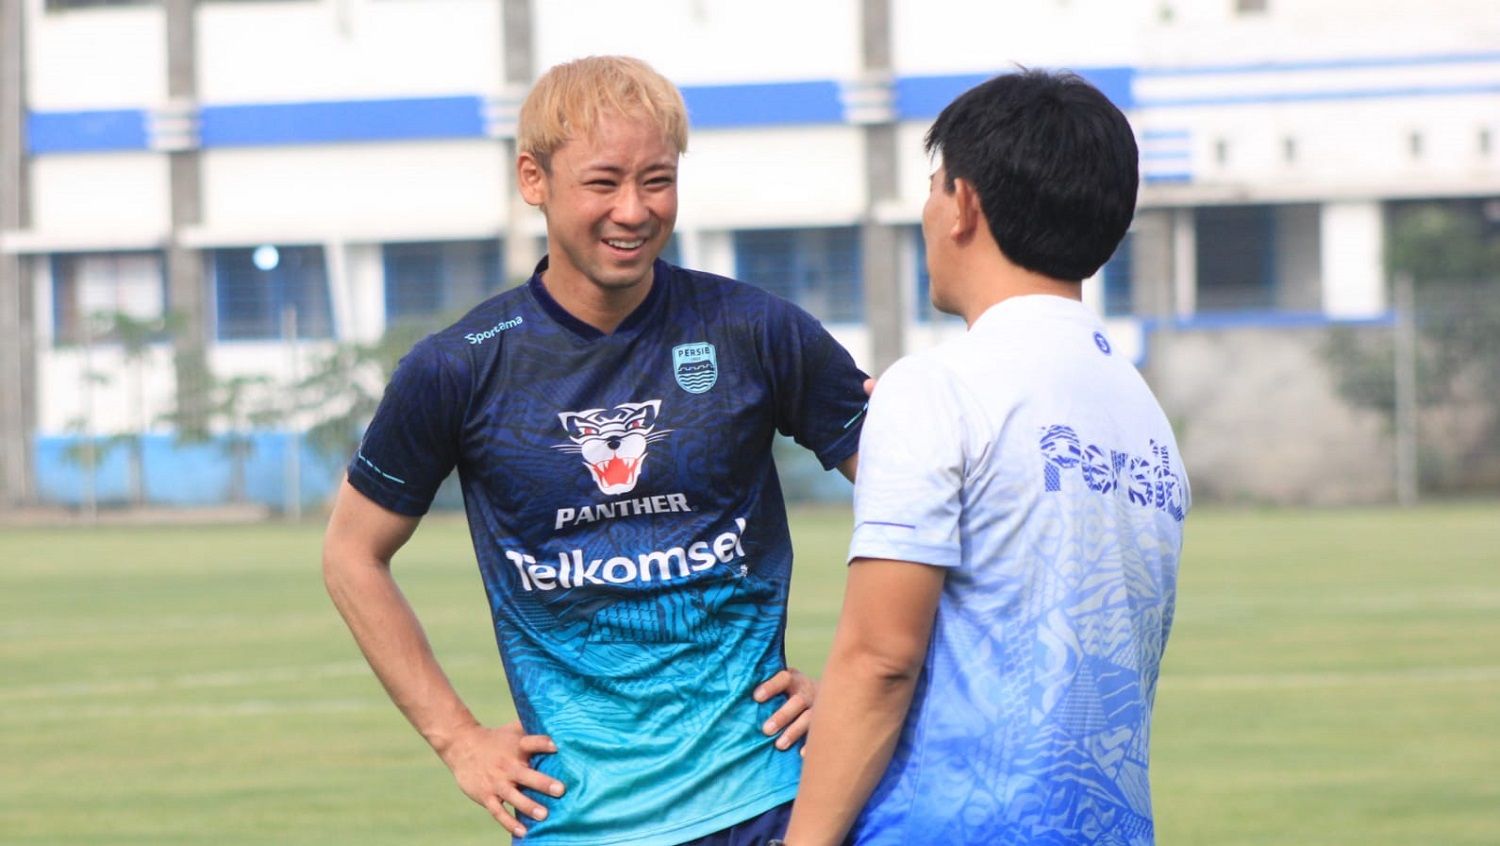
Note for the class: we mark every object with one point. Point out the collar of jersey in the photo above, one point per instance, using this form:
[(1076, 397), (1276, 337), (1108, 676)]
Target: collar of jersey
[(660, 270), (1032, 306)]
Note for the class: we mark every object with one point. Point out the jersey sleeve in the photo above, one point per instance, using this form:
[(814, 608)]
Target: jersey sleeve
[(908, 495), (819, 392), (412, 443)]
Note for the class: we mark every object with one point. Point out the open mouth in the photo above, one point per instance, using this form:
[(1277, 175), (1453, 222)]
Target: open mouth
[(615, 471), (625, 245)]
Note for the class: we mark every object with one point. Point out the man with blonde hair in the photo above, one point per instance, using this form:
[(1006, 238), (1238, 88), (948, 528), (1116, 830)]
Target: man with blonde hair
[(611, 422)]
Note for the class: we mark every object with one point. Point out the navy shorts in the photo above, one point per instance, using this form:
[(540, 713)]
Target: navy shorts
[(752, 832)]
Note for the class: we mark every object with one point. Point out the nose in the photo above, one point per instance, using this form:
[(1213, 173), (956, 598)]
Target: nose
[(630, 207), (613, 443)]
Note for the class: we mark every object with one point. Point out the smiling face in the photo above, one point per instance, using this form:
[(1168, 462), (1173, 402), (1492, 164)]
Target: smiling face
[(610, 200)]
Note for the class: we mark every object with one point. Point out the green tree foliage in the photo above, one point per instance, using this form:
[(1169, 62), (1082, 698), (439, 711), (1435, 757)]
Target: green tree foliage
[(1451, 251), (344, 386)]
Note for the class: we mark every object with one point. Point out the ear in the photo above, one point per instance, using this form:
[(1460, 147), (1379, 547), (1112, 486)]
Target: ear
[(531, 179), (969, 217)]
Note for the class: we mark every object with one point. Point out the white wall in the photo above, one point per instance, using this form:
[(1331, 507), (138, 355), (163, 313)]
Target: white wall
[(804, 176), (99, 200), (1210, 32), (958, 36), (707, 41), (108, 58), (346, 49), (453, 189)]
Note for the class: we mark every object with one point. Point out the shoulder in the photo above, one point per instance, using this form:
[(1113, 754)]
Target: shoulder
[(476, 332), (501, 313), (921, 374), (453, 351), (744, 298)]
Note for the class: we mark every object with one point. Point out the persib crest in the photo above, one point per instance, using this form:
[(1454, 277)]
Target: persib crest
[(695, 366)]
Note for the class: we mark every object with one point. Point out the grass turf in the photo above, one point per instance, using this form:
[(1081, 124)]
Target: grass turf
[(1332, 679)]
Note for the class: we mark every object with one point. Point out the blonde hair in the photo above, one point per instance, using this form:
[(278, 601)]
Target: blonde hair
[(570, 99)]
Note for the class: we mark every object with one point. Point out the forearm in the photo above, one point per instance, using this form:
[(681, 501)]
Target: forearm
[(861, 707), (393, 642)]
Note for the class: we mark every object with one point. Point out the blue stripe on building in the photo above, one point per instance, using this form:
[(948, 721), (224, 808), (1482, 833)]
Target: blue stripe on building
[(769, 104), (923, 97), (709, 107), (1269, 97), (86, 132), (1364, 63), (271, 124)]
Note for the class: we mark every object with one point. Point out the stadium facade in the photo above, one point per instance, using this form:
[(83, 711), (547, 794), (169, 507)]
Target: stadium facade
[(285, 176)]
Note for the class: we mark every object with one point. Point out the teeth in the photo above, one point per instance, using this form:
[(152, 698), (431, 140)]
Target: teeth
[(624, 245)]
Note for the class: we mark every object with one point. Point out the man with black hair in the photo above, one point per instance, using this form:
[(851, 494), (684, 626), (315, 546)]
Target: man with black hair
[(1018, 515)]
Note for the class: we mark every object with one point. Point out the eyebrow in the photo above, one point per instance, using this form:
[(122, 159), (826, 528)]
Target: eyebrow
[(606, 167)]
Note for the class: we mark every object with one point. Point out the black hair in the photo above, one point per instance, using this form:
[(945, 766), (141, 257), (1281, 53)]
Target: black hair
[(1054, 163)]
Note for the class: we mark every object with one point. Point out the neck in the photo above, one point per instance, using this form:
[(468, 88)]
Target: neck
[(603, 308), (1004, 280)]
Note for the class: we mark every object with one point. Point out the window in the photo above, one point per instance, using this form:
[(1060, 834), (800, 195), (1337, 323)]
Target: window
[(1236, 258), (88, 287), (818, 269), (439, 279), (1118, 293), (256, 289)]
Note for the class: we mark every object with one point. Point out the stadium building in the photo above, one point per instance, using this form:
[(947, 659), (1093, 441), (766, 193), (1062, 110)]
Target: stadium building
[(201, 201)]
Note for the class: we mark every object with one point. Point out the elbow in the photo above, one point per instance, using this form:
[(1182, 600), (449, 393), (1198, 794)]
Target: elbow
[(332, 572), (888, 664), (338, 570)]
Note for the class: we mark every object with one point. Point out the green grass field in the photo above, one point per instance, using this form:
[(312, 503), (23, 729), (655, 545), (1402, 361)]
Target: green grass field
[(1333, 678)]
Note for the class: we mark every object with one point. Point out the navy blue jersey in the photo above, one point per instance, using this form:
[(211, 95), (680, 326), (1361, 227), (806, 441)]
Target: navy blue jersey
[(629, 525)]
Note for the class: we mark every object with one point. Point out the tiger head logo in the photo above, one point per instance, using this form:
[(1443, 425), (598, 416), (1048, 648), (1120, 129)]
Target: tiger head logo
[(612, 442)]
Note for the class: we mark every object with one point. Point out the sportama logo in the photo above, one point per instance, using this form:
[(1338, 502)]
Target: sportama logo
[(613, 442)]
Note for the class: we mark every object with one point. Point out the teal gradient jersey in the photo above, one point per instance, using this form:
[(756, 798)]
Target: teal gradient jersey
[(630, 529)]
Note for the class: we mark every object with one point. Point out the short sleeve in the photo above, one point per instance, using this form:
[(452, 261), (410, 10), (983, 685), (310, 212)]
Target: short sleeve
[(819, 392), (909, 491), (412, 443)]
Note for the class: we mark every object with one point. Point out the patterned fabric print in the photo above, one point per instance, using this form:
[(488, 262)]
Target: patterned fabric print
[(629, 530), (1031, 722)]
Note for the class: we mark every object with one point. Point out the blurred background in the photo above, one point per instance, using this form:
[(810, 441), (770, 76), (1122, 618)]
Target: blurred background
[(221, 222)]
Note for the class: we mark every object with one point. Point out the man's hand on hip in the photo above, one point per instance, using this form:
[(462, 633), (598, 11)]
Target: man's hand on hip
[(795, 714), (491, 765)]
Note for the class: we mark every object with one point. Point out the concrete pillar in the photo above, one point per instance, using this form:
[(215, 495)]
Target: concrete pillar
[(17, 322), (868, 103), (186, 297), (1151, 263), (1353, 242), (1297, 271), (713, 252), (518, 57), (361, 314), (1184, 262)]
